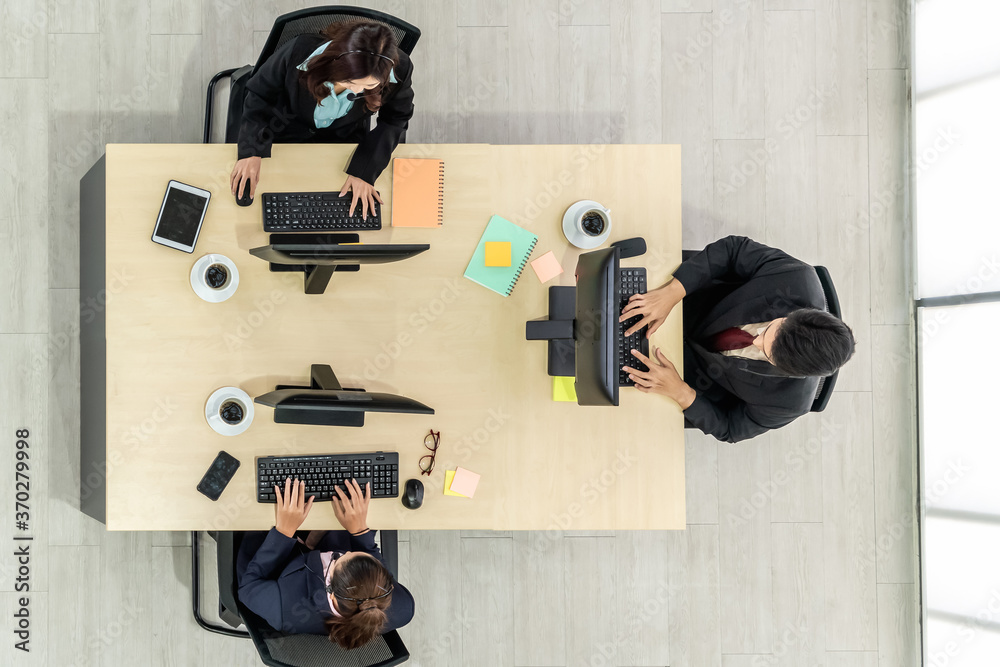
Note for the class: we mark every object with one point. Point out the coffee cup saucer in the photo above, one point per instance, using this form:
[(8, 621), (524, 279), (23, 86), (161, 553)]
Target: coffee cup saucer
[(214, 404), (572, 225), (206, 292)]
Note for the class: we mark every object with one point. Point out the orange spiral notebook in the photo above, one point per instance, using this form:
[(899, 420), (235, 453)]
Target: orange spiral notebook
[(417, 192)]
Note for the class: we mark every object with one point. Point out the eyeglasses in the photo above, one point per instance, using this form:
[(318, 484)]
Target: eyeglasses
[(431, 442)]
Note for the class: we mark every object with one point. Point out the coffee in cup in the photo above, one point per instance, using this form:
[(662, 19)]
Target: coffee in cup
[(231, 412), (593, 223), (216, 276)]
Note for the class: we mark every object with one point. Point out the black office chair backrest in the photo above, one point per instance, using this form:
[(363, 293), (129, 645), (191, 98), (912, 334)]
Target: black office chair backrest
[(826, 384), (280, 650), (315, 19)]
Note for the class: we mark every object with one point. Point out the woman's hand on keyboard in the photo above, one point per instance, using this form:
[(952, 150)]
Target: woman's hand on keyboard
[(360, 190), (352, 510), (292, 508), (653, 307)]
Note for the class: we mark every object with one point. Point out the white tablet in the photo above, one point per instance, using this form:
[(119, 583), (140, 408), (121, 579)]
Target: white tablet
[(181, 215)]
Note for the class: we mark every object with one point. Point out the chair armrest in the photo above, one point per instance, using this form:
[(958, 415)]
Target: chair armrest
[(388, 542)]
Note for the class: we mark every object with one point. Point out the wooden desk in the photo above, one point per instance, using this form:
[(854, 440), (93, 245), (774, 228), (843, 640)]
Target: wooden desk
[(415, 328)]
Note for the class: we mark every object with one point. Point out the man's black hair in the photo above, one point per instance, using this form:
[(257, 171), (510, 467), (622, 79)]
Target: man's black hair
[(812, 342)]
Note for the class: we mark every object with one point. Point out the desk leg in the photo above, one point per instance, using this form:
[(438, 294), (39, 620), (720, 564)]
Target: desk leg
[(93, 351)]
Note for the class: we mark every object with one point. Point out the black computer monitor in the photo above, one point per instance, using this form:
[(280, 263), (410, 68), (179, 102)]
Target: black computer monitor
[(325, 403), (595, 330), (319, 255)]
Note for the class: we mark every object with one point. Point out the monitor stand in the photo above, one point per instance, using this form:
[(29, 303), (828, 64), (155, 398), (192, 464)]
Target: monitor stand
[(317, 277), (321, 377), (558, 331)]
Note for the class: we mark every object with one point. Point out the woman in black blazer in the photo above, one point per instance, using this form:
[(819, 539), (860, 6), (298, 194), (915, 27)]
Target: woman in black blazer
[(325, 87), (340, 588)]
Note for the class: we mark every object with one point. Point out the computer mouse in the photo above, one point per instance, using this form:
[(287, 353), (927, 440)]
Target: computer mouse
[(413, 494), (246, 199)]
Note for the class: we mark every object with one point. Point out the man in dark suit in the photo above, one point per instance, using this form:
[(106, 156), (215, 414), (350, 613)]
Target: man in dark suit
[(757, 338)]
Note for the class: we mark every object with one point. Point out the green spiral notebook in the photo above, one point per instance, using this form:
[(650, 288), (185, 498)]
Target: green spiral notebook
[(501, 279)]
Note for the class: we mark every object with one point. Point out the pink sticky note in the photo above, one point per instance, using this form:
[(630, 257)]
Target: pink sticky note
[(547, 267), (464, 482)]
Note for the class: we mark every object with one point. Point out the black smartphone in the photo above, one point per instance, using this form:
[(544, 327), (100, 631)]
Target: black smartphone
[(218, 475)]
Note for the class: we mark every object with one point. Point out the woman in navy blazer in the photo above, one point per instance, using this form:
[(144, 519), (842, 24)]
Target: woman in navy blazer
[(340, 587)]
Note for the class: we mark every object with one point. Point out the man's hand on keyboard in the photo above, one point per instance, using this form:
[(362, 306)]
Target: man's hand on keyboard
[(292, 508), (351, 509), (661, 378), (653, 307)]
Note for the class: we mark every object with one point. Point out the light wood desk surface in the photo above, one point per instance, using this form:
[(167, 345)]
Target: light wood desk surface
[(415, 328)]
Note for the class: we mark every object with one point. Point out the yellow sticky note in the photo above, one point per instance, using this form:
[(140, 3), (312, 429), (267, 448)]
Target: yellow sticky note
[(498, 253), (564, 389), (449, 475)]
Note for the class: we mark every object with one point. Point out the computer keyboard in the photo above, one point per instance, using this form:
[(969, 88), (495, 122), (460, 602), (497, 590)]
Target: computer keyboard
[(322, 472), (632, 281), (316, 212)]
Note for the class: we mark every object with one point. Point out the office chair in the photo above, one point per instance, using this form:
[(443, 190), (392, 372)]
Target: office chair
[(826, 384), (280, 650), (286, 27)]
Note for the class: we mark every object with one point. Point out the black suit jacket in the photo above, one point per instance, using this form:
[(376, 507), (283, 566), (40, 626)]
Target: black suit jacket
[(732, 282), (282, 582), (279, 108)]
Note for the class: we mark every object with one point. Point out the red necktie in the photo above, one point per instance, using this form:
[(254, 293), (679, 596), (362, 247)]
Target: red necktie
[(733, 338)]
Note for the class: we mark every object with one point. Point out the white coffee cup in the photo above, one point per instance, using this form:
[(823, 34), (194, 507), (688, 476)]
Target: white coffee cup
[(587, 224), (229, 411), (214, 278)]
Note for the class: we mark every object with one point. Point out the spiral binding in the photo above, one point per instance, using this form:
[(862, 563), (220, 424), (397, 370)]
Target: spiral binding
[(441, 193), (517, 276)]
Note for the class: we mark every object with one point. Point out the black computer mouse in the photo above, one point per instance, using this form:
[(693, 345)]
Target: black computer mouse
[(246, 199), (413, 494)]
